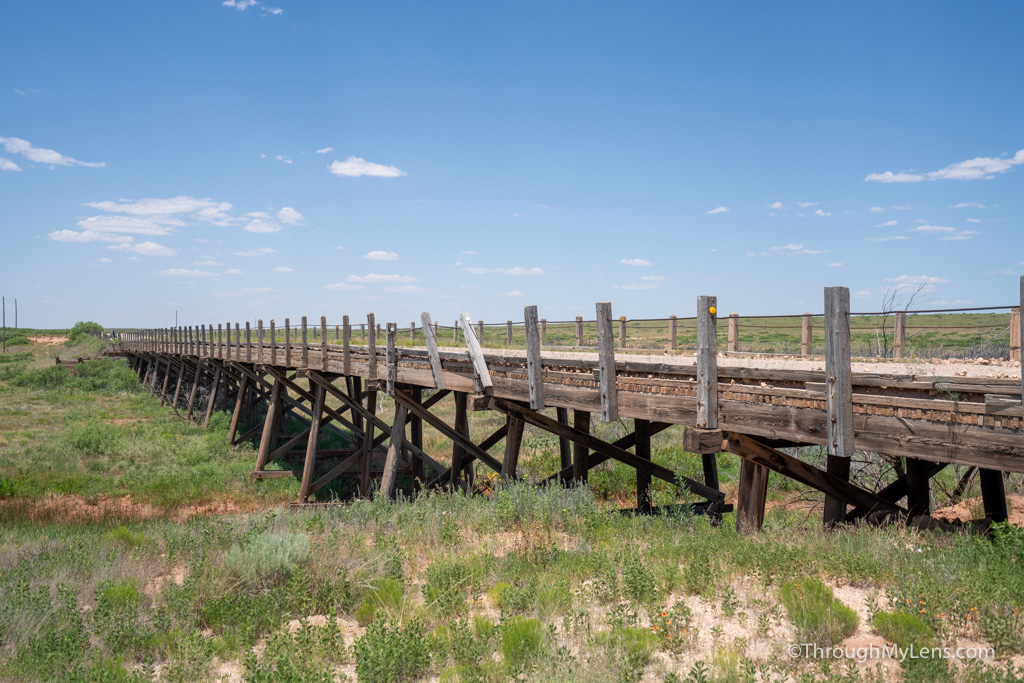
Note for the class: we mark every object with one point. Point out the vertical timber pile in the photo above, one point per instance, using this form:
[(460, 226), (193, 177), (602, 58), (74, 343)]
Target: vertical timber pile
[(707, 378), (371, 406), (805, 334), (838, 396)]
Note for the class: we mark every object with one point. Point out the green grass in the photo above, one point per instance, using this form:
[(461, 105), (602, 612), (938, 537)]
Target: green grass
[(818, 616)]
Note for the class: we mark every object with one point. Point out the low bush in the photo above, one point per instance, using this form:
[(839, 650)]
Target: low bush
[(816, 613), (388, 652), (268, 559)]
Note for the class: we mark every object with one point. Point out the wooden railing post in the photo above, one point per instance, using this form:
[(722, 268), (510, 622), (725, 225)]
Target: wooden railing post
[(480, 331), (304, 356), (734, 332), (838, 395), (220, 342), (673, 332), (508, 333), (273, 343), (622, 332), (534, 367), (579, 330), (259, 340), (346, 351), (362, 331), (899, 334), (323, 343), (412, 333), (543, 331), (287, 342), (1015, 333), (606, 362), (371, 373), (806, 332), (707, 378), (248, 342), (238, 341)]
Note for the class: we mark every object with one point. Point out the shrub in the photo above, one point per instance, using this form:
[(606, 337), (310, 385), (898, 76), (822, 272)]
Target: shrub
[(816, 613), (520, 641), (124, 535), (268, 559), (82, 330), (904, 629), (446, 585), (387, 652)]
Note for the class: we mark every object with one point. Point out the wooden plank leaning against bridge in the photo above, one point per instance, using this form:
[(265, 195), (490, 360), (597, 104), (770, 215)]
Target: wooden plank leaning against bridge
[(750, 411)]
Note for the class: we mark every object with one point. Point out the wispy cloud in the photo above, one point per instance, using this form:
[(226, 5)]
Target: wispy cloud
[(182, 272), (887, 224), (8, 165), (353, 167), (797, 249), (637, 285), (381, 256), (775, 205), (242, 5), (290, 216), (973, 220), (653, 278), (934, 229), (968, 205), (283, 269), (41, 155), (261, 226), (819, 212), (145, 249), (972, 169), (284, 159), (208, 262), (343, 286), (719, 209), (917, 280), (376, 278), (258, 251), (204, 209), (635, 262), (233, 271), (835, 264), (516, 270), (325, 150), (877, 209), (514, 292), (887, 238), (962, 235), (405, 289), (805, 205)]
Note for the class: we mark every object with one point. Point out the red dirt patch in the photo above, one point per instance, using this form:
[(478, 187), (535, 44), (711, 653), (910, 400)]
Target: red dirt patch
[(76, 508), (964, 510)]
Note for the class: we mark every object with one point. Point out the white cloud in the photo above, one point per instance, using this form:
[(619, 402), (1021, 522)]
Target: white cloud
[(262, 227), (901, 207), (207, 262), (968, 205), (516, 270), (86, 236), (805, 205), (877, 209), (635, 262), (354, 166), (934, 228), (259, 251), (258, 214), (204, 209), (962, 235), (468, 253), (917, 280), (819, 212), (325, 150), (181, 272), (290, 216), (835, 264), (145, 248), (719, 209), (405, 289), (8, 165), (375, 278), (283, 269), (653, 278), (381, 256), (514, 292), (104, 259), (343, 285), (795, 249), (887, 224), (637, 285), (972, 169), (41, 155), (128, 224), (973, 220), (240, 5), (775, 205), (889, 238), (282, 158), (233, 271)]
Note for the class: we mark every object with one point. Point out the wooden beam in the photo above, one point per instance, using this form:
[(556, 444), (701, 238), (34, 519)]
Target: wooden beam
[(387, 485), (213, 397), (476, 356), (346, 351), (534, 365), (435, 358), (838, 396), (993, 494), (236, 414), (606, 363), (461, 428), (753, 491), (580, 452), (896, 490), (391, 360), (313, 443), (513, 441), (918, 494), (564, 447), (831, 485), (484, 445), (270, 423), (642, 430), (806, 334)]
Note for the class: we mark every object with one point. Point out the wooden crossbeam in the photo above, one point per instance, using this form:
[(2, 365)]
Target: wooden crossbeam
[(486, 445), (595, 459), (604, 448), (896, 490)]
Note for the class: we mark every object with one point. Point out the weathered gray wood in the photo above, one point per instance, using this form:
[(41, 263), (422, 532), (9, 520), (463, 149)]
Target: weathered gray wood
[(462, 430), (564, 448), (899, 335), (323, 342), (579, 330), (480, 330), (703, 441), (543, 331), (220, 342), (287, 342), (305, 345), (508, 333), (622, 332), (213, 397), (806, 334), (642, 448), (673, 331), (476, 355), (412, 333), (606, 362), (248, 342), (236, 414), (195, 389), (273, 343), (993, 494), (580, 452), (371, 408), (270, 424), (313, 443), (1020, 332), (391, 359), (435, 359), (753, 491), (733, 343), (838, 396), (259, 340), (918, 498), (513, 442), (387, 485), (534, 366), (346, 351), (371, 346), (707, 362)]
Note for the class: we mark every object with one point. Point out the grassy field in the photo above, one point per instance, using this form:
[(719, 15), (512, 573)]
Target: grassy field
[(133, 546)]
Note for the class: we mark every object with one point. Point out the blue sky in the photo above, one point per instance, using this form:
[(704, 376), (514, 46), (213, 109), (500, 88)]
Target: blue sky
[(236, 160)]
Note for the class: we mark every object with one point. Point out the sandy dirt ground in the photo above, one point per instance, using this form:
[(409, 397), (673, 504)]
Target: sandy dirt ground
[(48, 341)]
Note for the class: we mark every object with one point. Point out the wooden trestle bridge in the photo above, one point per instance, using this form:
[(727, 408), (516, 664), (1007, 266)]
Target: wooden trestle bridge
[(930, 422)]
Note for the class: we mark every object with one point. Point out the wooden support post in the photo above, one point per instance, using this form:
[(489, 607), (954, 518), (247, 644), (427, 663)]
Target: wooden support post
[(606, 363), (543, 331), (1015, 333), (305, 345), (482, 380), (412, 332), (238, 341), (462, 428), (508, 333), (622, 332), (435, 329), (429, 331), (371, 347), (513, 441), (564, 448), (323, 342), (346, 351), (673, 332), (313, 443), (534, 366), (153, 377), (195, 389), (213, 397), (371, 408), (362, 331), (579, 330), (580, 452), (993, 495), (918, 498), (416, 436), (387, 485), (337, 333), (391, 359), (838, 396), (899, 334), (270, 423), (707, 378), (806, 332), (259, 341), (642, 448), (480, 330), (287, 342), (167, 378), (753, 491), (177, 386), (236, 415), (734, 332), (273, 343), (248, 343)]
